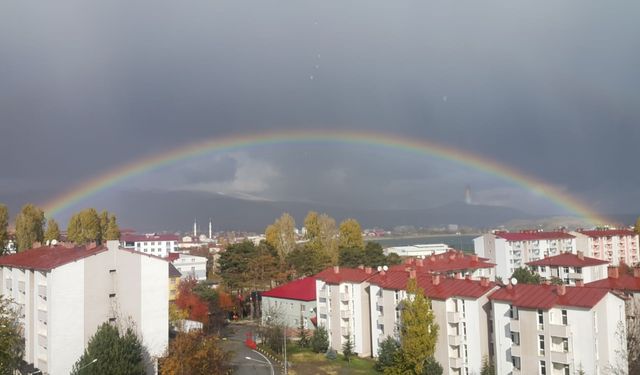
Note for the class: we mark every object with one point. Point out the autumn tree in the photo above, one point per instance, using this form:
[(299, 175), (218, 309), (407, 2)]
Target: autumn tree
[(418, 333), (637, 227), (104, 224), (84, 227), (110, 351), (113, 230), (281, 235), (350, 235), (190, 302), (29, 226), (11, 340), (4, 227), (53, 231), (322, 237), (194, 353)]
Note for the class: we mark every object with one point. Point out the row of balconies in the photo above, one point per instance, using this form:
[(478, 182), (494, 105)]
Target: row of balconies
[(557, 330), (556, 356)]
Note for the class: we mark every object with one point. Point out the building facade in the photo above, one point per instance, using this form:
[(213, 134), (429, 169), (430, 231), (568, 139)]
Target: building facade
[(613, 245), (418, 250), (154, 244), (570, 268), (189, 266), (292, 304), (65, 294)]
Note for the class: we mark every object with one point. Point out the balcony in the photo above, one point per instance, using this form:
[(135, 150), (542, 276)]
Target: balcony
[(322, 309), (345, 314), (42, 291), (575, 276), (323, 293), (453, 317), (455, 340), (516, 351), (456, 362), (345, 331), (514, 325), (42, 316), (380, 301), (380, 319), (344, 297), (560, 357), (42, 341), (558, 330)]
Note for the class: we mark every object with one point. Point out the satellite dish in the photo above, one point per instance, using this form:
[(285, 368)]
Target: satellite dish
[(514, 281), (385, 268), (379, 268)]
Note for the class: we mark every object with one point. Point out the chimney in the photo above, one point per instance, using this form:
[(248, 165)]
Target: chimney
[(579, 283), (474, 257), (613, 272), (509, 285), (432, 258), (459, 275), (467, 276), (361, 267), (484, 281), (368, 270), (408, 261), (636, 272), (580, 255), (336, 269), (547, 282), (412, 274), (452, 257), (435, 279), (562, 290), (419, 262)]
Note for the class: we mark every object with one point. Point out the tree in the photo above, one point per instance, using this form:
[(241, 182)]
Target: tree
[(374, 255), (113, 231), (347, 348), (194, 353), (305, 261), (104, 224), (320, 340), (53, 231), (487, 367), (11, 340), (84, 227), (351, 257), (29, 226), (350, 235), (190, 302), (418, 333), (4, 225), (110, 351), (234, 264), (304, 339), (263, 266), (525, 276), (322, 237), (637, 227), (431, 367), (387, 353), (281, 235)]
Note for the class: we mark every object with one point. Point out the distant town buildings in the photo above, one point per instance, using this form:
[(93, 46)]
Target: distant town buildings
[(613, 245), (154, 244), (570, 268), (64, 294), (189, 266), (417, 250)]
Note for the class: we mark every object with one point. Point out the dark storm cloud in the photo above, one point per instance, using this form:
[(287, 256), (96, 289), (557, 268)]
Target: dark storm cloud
[(549, 88)]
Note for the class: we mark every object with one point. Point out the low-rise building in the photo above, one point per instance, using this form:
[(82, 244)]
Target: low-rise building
[(292, 304), (452, 263), (174, 280), (154, 244), (557, 329), (570, 268), (613, 245), (418, 250), (65, 294), (189, 266)]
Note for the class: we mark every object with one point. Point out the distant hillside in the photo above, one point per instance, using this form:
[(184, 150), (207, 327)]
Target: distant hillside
[(176, 210)]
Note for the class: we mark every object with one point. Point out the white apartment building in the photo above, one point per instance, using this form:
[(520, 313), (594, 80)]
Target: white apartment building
[(190, 266), (549, 330), (154, 244), (64, 294), (612, 245), (570, 268), (460, 309), (510, 251), (418, 250), (292, 304), (452, 263), (343, 307)]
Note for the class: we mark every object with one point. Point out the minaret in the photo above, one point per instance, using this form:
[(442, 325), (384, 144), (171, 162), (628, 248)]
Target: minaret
[(195, 228), (210, 231), (467, 195)]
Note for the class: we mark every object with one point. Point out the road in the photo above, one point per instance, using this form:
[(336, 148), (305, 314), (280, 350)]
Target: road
[(235, 336)]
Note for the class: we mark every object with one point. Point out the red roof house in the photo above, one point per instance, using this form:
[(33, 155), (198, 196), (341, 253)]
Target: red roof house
[(532, 296), (568, 260), (47, 258), (301, 290)]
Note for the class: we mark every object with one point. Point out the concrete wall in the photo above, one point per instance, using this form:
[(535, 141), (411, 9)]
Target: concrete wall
[(290, 311)]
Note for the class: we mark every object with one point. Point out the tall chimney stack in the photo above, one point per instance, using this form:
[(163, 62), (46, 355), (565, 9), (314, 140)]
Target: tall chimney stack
[(562, 290)]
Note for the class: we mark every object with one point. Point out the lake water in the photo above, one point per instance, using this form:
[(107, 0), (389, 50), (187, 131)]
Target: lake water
[(460, 242)]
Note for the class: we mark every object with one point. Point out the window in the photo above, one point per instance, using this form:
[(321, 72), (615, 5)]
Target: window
[(543, 368), (565, 370), (302, 308), (516, 362), (515, 338), (565, 319), (541, 344), (464, 330), (540, 320), (513, 312), (578, 269), (565, 345)]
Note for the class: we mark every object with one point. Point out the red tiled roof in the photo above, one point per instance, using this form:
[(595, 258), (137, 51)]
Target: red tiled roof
[(624, 282), (450, 261), (48, 258), (568, 260), (337, 275), (173, 256), (607, 233), (445, 288), (301, 290), (544, 297), (148, 237), (533, 236)]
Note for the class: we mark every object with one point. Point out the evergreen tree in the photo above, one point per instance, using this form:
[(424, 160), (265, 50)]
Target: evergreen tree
[(347, 348), (487, 367), (53, 231), (29, 226), (4, 227), (304, 340), (11, 340), (320, 340), (111, 353), (387, 353), (432, 367), (351, 257)]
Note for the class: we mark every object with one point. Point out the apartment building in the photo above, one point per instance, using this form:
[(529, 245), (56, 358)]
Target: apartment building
[(174, 280), (155, 244), (513, 250), (343, 307), (549, 329), (418, 250), (613, 245), (189, 266), (64, 294), (292, 304), (460, 310), (626, 283), (451, 263), (570, 268)]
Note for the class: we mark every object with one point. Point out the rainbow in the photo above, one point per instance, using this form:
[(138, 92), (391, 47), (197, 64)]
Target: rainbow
[(411, 145)]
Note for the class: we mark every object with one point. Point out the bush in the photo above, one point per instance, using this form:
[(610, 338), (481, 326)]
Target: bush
[(387, 353), (431, 367), (320, 340)]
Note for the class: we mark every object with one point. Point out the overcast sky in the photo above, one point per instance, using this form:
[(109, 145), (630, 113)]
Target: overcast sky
[(551, 88)]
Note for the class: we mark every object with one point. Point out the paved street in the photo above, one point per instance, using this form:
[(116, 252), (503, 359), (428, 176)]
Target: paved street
[(257, 364)]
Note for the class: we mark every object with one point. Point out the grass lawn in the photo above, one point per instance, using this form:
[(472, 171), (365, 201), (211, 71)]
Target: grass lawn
[(306, 362)]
